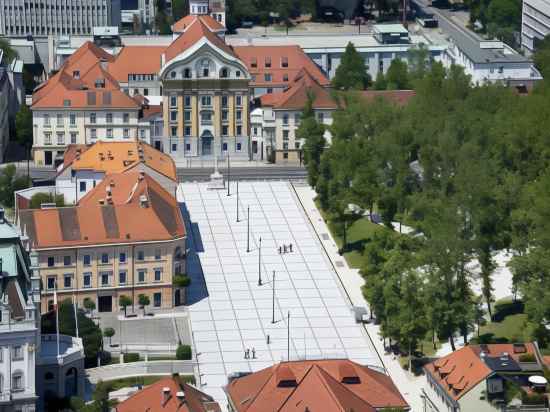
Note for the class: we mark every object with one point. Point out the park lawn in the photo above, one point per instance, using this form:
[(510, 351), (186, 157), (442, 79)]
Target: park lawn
[(512, 327)]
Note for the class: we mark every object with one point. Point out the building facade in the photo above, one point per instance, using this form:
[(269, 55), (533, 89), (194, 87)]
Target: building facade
[(96, 250), (535, 23), (19, 18), (205, 96)]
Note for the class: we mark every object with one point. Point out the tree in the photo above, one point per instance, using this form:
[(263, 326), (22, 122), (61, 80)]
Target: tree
[(380, 82), (183, 352), (542, 57), (312, 133), (352, 71), (8, 52), (10, 183), (125, 301), (89, 305), (143, 301), (41, 197), (162, 21), (180, 8), (109, 333), (397, 76), (23, 131), (181, 281), (89, 332)]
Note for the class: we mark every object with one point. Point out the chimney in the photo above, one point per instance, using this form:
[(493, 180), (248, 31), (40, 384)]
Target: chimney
[(165, 395), (143, 201)]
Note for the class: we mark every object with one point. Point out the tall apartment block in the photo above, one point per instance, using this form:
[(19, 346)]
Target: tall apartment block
[(56, 17)]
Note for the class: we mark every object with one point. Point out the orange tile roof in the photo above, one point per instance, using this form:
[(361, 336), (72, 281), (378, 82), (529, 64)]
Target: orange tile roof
[(498, 349), (152, 399), (459, 371), (296, 95), (195, 32), (183, 24), (119, 218), (295, 57), (319, 386), (399, 97), (117, 157), (136, 60)]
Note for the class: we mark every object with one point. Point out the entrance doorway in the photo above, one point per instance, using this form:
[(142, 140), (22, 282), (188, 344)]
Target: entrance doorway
[(105, 303), (157, 145), (48, 159), (207, 140), (177, 298)]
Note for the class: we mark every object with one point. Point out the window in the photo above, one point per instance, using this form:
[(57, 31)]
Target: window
[(285, 119), (173, 74), (158, 254), (93, 118), (157, 299), (285, 155), (51, 261), (122, 257), (239, 100), (72, 119), (87, 260), (254, 62), (187, 147), (17, 381), (60, 138), (126, 133), (269, 90), (46, 120), (67, 281), (87, 279), (126, 118), (174, 147), (109, 118), (285, 77), (187, 101), (141, 275), (59, 120), (239, 115), (285, 146), (51, 282), (321, 117), (206, 100), (205, 68), (173, 101), (174, 131), (76, 74), (225, 115), (267, 77), (122, 277), (82, 186), (284, 62), (296, 145), (141, 255), (146, 92), (224, 73), (142, 134), (255, 131), (158, 275), (224, 147), (206, 117), (224, 101), (47, 138), (297, 118), (187, 130), (73, 137), (268, 61), (17, 353), (187, 73), (67, 260), (225, 130), (104, 258), (239, 147), (239, 130), (285, 134), (105, 278), (110, 133), (93, 133), (173, 116)]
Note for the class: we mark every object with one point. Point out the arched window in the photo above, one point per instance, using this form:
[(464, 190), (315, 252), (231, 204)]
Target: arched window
[(17, 383), (224, 73), (187, 73), (173, 74), (205, 68)]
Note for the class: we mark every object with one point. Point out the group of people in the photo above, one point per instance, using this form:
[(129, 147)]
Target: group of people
[(247, 353), (285, 248)]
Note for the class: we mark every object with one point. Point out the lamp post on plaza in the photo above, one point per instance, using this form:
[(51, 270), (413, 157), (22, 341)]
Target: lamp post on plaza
[(288, 337), (228, 173), (248, 229), (260, 263), (273, 312), (237, 200)]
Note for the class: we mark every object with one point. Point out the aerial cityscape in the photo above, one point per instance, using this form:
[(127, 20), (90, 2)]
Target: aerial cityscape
[(274, 205)]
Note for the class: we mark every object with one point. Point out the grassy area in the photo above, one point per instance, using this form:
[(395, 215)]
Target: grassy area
[(512, 329), (144, 381), (359, 233)]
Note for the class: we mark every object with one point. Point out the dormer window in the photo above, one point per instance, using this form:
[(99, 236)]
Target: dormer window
[(284, 61), (100, 83), (76, 74), (224, 73), (173, 74), (187, 73)]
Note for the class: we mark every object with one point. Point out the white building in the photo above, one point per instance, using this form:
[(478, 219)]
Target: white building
[(56, 17), (11, 97), (535, 23)]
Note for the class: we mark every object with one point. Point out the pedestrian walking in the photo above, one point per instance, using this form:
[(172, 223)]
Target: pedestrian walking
[(247, 353), (290, 248), (253, 353), (284, 248), (280, 250), (268, 339)]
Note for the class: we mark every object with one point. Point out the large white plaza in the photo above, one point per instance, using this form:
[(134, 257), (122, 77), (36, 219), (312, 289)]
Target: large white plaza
[(230, 312)]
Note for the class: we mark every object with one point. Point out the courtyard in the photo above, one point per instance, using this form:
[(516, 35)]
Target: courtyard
[(231, 311)]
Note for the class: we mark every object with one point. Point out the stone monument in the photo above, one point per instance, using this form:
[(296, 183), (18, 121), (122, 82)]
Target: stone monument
[(216, 179)]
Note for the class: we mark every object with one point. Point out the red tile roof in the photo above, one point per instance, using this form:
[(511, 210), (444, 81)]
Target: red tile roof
[(297, 94), (194, 33), (183, 24), (316, 386), (136, 60), (399, 97), (112, 212), (153, 399), (294, 57)]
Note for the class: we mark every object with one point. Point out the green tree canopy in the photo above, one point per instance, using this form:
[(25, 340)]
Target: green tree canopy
[(352, 71)]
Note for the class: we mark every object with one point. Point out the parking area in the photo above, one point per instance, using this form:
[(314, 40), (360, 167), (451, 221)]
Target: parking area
[(231, 312)]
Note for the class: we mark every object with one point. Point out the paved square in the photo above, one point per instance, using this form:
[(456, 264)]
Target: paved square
[(230, 312)]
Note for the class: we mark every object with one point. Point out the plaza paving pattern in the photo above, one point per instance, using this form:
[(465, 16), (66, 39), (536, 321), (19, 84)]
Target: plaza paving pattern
[(230, 312)]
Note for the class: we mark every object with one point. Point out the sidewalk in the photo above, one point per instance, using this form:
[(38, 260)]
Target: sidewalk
[(409, 385)]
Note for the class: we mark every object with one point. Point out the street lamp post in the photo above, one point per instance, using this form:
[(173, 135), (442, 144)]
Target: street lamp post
[(273, 312), (248, 229), (228, 173), (237, 200), (288, 337), (260, 263)]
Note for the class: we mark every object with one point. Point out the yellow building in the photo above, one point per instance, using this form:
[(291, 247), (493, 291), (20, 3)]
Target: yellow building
[(125, 237)]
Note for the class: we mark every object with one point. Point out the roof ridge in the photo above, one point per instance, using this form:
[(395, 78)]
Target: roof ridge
[(328, 376), (309, 369), (274, 370)]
